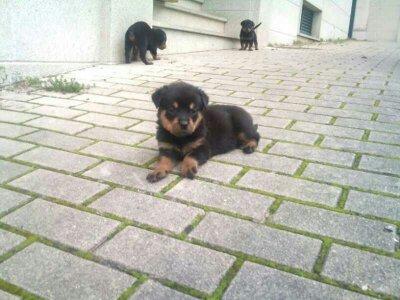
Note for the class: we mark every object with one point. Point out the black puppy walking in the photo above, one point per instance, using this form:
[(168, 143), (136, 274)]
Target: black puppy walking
[(139, 38), (190, 131), (248, 36)]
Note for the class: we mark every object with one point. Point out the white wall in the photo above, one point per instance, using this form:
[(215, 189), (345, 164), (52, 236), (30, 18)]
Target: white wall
[(67, 31), (383, 21)]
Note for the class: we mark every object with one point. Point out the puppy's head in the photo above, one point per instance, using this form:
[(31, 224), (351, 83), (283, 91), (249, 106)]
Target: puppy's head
[(180, 107), (247, 25), (160, 38)]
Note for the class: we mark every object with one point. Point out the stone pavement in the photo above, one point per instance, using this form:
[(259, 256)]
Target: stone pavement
[(315, 213)]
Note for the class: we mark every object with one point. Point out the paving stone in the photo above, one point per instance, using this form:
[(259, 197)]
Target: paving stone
[(125, 81), (148, 209), (291, 187), (218, 171), (229, 199), (128, 90), (337, 112), (139, 104), (114, 135), (371, 125), (56, 101), (15, 117), (107, 120), (151, 143), (287, 135), (102, 108), (258, 240), (272, 122), (13, 131), (336, 225), (363, 180), (179, 261), (380, 164), (65, 126), (16, 105), (363, 147), (152, 290), (11, 95), (137, 96), (120, 152), (54, 274), (7, 296), (58, 185), (346, 99), (10, 199), (146, 127), (279, 105), (141, 114), (301, 116), (61, 223), (260, 160), (9, 170), (313, 153), (127, 175), (57, 140), (328, 130), (53, 111), (312, 102), (8, 241), (232, 99), (384, 137), (10, 147), (364, 269), (57, 159), (260, 282), (376, 205), (372, 109), (98, 98)]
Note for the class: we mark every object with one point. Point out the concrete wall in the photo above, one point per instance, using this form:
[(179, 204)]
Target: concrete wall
[(67, 31), (377, 20)]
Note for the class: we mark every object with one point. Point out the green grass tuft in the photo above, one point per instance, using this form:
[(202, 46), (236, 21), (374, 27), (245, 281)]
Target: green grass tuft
[(62, 85)]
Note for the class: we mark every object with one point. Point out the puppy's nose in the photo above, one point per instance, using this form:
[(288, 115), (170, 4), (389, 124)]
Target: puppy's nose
[(184, 123)]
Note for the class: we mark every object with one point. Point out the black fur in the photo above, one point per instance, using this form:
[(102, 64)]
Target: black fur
[(139, 38), (219, 130), (248, 36)]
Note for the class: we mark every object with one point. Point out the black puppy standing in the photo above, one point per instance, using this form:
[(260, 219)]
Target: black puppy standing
[(139, 38), (191, 132), (248, 36)]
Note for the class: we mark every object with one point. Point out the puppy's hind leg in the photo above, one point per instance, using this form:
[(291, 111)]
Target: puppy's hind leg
[(128, 51), (251, 45), (135, 53), (247, 135), (255, 41), (142, 53)]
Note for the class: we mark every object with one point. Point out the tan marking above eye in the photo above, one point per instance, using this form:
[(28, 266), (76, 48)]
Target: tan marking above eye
[(175, 104), (191, 105)]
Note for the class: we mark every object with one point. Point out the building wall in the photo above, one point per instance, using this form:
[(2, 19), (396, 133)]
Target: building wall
[(377, 20), (67, 31)]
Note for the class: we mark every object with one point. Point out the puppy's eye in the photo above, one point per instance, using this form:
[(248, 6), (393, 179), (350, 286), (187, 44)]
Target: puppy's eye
[(171, 110), (193, 111)]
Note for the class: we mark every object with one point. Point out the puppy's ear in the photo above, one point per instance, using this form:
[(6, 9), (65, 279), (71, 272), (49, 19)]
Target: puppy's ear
[(204, 98), (242, 23), (158, 95)]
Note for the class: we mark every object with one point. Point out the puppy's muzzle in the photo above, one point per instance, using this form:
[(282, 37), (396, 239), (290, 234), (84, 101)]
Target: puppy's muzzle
[(183, 123)]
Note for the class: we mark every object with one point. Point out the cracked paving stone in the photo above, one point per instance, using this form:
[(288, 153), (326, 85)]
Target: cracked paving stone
[(291, 187), (152, 290), (9, 170), (364, 269), (258, 240), (229, 199), (10, 199), (337, 225), (54, 274), (165, 257), (8, 241), (260, 282), (64, 224), (127, 175), (148, 209), (65, 187)]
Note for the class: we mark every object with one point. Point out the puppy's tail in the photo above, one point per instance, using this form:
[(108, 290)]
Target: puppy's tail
[(257, 26)]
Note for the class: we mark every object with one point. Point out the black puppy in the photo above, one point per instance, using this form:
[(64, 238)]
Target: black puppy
[(192, 132), (139, 38), (248, 36)]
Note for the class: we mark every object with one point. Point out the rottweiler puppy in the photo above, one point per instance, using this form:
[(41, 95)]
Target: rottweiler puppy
[(190, 131), (248, 36), (139, 38)]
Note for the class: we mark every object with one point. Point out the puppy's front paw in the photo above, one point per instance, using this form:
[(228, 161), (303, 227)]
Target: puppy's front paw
[(148, 63), (156, 175), (189, 167)]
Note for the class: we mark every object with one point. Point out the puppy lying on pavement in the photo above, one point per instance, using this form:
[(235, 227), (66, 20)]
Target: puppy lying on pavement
[(248, 36), (191, 132), (139, 38)]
